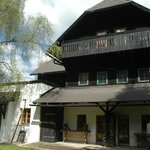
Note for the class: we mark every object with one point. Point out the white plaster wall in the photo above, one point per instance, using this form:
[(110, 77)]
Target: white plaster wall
[(70, 117), (135, 123), (6, 124), (30, 92)]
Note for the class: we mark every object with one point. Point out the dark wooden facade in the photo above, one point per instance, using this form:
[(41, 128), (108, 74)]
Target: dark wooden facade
[(129, 60)]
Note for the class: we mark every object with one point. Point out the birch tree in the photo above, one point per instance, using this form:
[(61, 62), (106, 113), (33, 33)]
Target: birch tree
[(20, 35)]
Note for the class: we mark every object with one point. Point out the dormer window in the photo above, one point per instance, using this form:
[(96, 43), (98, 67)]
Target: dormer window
[(119, 30), (100, 33)]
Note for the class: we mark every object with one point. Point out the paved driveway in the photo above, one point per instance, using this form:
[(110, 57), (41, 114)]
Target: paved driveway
[(74, 146)]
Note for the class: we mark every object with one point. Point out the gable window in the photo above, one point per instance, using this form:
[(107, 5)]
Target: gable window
[(100, 33), (122, 76), (143, 75), (81, 121), (119, 30), (145, 121), (102, 78), (25, 117), (83, 79)]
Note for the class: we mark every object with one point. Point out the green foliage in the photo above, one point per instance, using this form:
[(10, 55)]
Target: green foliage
[(11, 14), (55, 51), (20, 34)]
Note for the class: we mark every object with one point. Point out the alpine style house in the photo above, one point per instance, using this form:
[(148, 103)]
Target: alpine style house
[(101, 89)]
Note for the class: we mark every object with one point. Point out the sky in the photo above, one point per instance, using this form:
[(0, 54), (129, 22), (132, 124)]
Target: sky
[(61, 14)]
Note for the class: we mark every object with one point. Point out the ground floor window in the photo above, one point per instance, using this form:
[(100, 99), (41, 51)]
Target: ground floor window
[(145, 121), (25, 116), (81, 121)]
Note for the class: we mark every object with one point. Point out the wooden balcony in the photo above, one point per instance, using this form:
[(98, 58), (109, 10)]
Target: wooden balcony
[(129, 40)]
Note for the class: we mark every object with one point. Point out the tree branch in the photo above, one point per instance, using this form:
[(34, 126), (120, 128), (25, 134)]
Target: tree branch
[(6, 65), (7, 41)]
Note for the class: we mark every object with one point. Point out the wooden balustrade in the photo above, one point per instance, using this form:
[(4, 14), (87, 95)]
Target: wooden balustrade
[(117, 42)]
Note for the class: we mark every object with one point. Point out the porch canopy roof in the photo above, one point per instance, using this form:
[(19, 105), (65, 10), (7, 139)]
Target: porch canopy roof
[(97, 94), (48, 68)]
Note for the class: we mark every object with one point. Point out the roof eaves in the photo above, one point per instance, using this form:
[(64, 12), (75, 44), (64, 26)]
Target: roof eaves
[(107, 5), (48, 72), (141, 7)]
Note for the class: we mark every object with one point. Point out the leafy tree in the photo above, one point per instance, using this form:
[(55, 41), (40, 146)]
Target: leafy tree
[(55, 50), (20, 35)]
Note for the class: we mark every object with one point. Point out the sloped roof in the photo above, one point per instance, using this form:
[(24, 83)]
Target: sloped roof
[(107, 4), (110, 93), (48, 67), (102, 6)]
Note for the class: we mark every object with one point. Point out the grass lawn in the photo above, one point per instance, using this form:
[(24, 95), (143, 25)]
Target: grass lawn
[(13, 147)]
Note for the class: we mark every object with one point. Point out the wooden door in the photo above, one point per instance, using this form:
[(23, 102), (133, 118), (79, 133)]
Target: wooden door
[(51, 124)]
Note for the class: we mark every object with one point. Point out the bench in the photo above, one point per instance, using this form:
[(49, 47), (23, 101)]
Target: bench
[(143, 139), (83, 135)]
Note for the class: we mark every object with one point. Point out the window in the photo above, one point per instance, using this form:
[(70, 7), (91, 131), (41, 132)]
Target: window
[(81, 121), (102, 78), (101, 33), (25, 117), (145, 121), (122, 76), (143, 75), (119, 30), (83, 79)]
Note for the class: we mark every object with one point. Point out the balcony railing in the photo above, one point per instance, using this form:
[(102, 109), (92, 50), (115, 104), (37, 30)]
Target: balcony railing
[(111, 43)]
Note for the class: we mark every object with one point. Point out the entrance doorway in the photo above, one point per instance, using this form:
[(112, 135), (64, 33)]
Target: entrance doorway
[(123, 129), (51, 124)]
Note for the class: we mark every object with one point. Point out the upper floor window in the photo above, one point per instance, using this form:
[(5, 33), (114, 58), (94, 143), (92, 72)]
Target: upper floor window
[(122, 76), (25, 116), (83, 79), (100, 33), (119, 30), (143, 75), (102, 78)]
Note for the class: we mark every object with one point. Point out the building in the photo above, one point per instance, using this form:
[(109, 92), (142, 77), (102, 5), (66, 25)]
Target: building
[(15, 97), (105, 83)]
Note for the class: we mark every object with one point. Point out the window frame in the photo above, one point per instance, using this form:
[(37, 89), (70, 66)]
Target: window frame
[(120, 30), (139, 80), (79, 126), (143, 125), (117, 79), (25, 116), (79, 81), (101, 33), (97, 81)]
